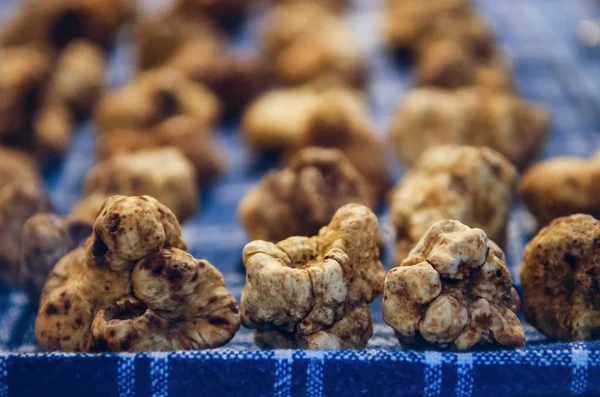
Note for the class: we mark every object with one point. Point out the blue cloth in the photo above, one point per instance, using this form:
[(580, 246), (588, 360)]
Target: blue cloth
[(550, 67)]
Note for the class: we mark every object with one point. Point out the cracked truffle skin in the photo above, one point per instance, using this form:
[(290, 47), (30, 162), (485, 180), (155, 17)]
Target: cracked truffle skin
[(153, 97), (60, 22), (303, 197), (562, 186), (162, 173), (189, 136), (18, 201), (469, 116), (560, 276), (453, 290), (309, 44), (313, 292), (294, 118), (472, 185), (133, 288), (45, 239)]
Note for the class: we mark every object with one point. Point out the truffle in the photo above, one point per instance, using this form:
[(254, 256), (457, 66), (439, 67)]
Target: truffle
[(133, 288), (453, 290), (314, 292), (560, 276)]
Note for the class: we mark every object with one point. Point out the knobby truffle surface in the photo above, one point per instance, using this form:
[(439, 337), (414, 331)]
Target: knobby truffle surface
[(302, 198), (472, 185), (134, 288), (560, 276), (314, 292), (453, 290)]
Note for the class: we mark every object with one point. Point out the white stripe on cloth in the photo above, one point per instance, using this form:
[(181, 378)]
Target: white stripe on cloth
[(579, 368), (283, 373), (159, 374), (433, 374), (314, 373), (126, 375), (464, 373)]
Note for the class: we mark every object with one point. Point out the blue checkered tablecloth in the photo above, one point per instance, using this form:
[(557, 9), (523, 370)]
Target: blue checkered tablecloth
[(550, 67)]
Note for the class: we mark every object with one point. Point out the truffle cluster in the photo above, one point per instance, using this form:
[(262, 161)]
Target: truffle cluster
[(52, 69)]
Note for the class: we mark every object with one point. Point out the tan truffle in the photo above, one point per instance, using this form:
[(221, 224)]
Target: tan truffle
[(562, 186), (161, 35), (164, 174), (30, 118), (153, 97), (52, 132), (18, 201), (313, 292), (45, 239), (23, 71), (17, 166), (303, 197), (408, 25), (469, 116), (309, 44), (291, 119), (560, 276), (449, 64), (454, 290), (335, 5), (192, 45), (60, 22), (227, 13), (133, 288), (472, 185), (78, 78), (278, 119), (190, 136)]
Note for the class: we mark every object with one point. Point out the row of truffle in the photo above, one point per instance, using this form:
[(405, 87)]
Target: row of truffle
[(132, 287)]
